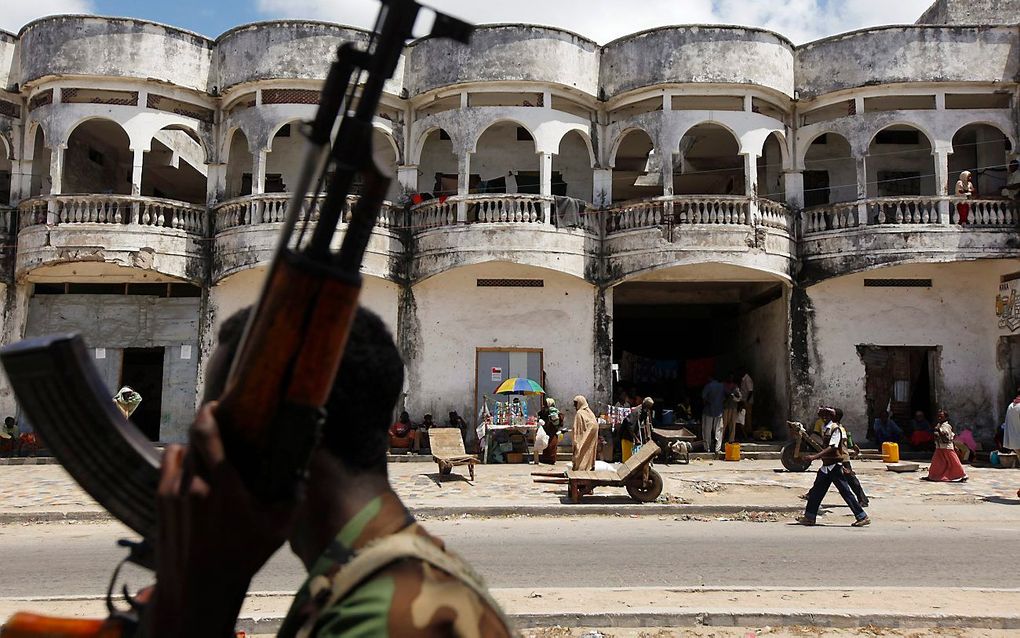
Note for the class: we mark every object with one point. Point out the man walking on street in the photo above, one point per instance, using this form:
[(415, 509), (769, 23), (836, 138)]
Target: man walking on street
[(833, 458), (713, 395)]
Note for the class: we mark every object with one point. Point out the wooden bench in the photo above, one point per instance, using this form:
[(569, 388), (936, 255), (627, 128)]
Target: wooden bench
[(448, 451), (642, 482)]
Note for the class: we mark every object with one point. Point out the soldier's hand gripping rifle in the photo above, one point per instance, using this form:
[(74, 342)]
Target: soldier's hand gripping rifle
[(270, 412)]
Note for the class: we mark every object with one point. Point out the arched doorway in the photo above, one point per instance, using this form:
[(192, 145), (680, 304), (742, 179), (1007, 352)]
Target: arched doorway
[(239, 166), (505, 161), (384, 153), (900, 163), (175, 167), (438, 165), (770, 169), (97, 160), (571, 168), (637, 171), (284, 159), (41, 158), (708, 163), (983, 150), (6, 172), (830, 171)]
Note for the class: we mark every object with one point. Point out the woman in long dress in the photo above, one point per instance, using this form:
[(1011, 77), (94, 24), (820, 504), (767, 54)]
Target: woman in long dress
[(945, 465), (586, 435), (965, 189)]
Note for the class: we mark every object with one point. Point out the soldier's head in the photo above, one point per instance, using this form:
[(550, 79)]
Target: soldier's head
[(359, 409)]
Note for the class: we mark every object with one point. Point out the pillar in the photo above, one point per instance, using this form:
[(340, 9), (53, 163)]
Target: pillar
[(407, 177), (258, 172), (463, 185), (602, 195), (862, 190), (603, 355), (793, 184), (15, 320), (56, 182), (666, 169), (751, 187), (137, 163), (942, 183), (545, 161), (17, 181)]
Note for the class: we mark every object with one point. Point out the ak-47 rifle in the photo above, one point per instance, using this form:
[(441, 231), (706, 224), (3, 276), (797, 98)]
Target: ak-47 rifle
[(271, 410)]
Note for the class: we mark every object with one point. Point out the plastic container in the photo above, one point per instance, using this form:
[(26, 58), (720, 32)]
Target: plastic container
[(732, 451), (891, 452)]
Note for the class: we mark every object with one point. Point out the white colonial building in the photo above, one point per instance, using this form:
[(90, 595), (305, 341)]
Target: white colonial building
[(681, 200)]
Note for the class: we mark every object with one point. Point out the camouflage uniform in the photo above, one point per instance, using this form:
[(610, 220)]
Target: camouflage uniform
[(407, 598)]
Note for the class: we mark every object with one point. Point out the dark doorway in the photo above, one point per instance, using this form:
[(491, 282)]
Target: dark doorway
[(902, 380), (143, 371)]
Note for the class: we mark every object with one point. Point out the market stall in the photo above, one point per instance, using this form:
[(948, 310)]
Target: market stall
[(509, 421)]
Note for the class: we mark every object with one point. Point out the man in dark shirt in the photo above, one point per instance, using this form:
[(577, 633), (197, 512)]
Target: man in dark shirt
[(713, 395)]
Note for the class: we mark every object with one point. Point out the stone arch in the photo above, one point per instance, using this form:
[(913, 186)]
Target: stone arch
[(585, 136), (418, 145), (615, 149), (473, 148), (502, 161), (387, 134), (176, 165), (906, 168), (770, 168), (830, 170), (637, 169), (571, 175), (40, 155), (97, 158), (708, 161), (720, 265), (983, 149), (238, 175), (275, 130), (989, 123), (84, 119), (437, 171)]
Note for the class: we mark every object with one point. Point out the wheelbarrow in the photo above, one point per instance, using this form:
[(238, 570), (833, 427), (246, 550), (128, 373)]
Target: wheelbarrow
[(643, 483), (802, 444)]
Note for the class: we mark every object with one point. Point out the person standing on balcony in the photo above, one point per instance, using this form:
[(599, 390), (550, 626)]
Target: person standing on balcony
[(713, 395), (965, 189)]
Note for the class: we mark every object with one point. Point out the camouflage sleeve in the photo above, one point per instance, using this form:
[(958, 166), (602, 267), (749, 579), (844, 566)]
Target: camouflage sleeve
[(411, 599)]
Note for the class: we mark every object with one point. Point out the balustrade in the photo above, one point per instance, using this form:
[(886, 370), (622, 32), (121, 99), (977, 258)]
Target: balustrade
[(911, 211), (112, 209), (829, 217), (987, 212), (482, 209), (697, 210), (272, 209)]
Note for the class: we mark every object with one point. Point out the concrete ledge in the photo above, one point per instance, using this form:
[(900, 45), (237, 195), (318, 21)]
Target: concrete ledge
[(496, 511)]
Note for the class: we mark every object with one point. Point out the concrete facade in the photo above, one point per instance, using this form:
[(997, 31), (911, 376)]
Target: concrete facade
[(736, 207)]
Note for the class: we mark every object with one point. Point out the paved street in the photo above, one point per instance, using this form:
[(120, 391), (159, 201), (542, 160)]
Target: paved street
[(62, 559)]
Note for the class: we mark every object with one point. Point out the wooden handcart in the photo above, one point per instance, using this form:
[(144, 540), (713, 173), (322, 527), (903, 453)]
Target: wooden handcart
[(448, 451), (643, 483)]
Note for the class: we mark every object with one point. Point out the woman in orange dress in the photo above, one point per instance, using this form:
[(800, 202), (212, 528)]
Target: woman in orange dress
[(945, 465)]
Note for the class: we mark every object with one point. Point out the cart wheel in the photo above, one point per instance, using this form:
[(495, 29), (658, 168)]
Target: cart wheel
[(648, 492), (791, 462)]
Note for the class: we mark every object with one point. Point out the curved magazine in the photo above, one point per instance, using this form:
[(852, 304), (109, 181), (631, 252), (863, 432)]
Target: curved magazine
[(67, 403)]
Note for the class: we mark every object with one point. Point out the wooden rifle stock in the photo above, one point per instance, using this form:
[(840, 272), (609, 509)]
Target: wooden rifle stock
[(22, 625)]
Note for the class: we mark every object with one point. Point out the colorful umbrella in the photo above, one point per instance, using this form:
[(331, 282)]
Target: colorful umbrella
[(519, 385)]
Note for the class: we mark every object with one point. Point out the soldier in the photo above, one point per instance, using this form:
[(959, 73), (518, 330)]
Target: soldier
[(372, 570)]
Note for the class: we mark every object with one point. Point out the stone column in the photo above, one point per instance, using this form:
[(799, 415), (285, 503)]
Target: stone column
[(15, 321), (407, 177), (137, 162), (941, 156), (794, 186), (463, 185), (17, 181), (751, 187), (666, 170), (56, 182), (862, 190), (545, 161), (603, 355), (258, 172), (602, 195)]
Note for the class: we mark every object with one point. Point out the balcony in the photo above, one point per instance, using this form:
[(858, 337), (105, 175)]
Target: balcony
[(849, 237), (247, 230), (516, 228), (148, 233), (650, 234)]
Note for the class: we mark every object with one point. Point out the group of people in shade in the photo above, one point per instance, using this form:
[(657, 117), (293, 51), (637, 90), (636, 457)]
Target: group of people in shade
[(727, 409), (415, 435)]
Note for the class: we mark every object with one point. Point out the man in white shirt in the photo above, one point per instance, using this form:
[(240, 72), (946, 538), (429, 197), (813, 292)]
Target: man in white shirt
[(832, 472)]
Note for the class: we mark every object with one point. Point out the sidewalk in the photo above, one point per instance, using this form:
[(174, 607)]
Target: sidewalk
[(611, 608), (703, 488)]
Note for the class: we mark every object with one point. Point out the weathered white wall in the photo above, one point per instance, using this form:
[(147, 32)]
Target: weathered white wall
[(836, 158), (764, 351), (456, 317), (116, 322), (956, 314)]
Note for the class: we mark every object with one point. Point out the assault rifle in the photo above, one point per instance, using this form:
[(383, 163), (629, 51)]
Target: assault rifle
[(272, 407)]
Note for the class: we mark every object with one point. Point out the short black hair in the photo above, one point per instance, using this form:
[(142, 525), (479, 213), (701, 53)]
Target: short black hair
[(367, 386), (838, 414)]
